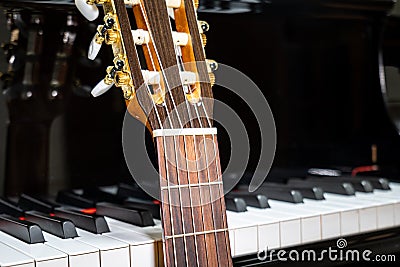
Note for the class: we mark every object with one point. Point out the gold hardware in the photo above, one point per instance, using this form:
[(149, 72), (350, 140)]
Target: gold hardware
[(212, 78), (128, 92), (212, 64), (111, 37), (93, 2), (99, 39), (203, 39), (121, 78), (196, 3), (119, 62), (110, 21), (204, 26), (109, 79)]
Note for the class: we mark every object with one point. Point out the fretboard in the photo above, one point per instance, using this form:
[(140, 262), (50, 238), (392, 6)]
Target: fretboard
[(193, 207)]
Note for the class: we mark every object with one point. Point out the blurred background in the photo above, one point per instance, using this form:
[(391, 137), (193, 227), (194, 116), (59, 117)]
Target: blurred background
[(328, 68)]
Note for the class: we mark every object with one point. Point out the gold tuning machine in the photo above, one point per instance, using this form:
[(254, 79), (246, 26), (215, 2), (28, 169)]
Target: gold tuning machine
[(108, 32), (212, 78), (196, 3), (203, 26), (122, 78), (212, 66), (203, 39), (94, 2), (118, 73)]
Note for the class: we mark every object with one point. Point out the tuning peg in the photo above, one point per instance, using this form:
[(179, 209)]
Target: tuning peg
[(212, 65), (102, 87), (203, 26), (105, 33), (196, 3), (212, 78), (203, 39), (88, 9), (115, 76), (94, 48)]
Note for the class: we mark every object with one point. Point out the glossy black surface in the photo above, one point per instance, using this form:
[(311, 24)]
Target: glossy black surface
[(24, 230)]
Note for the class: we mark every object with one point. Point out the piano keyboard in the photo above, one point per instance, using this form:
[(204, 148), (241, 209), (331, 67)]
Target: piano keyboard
[(131, 239)]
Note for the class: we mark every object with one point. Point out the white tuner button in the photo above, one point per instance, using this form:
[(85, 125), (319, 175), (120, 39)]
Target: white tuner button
[(90, 12), (101, 88), (94, 49)]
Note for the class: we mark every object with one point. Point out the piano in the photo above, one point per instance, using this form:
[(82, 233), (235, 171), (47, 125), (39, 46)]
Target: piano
[(321, 66)]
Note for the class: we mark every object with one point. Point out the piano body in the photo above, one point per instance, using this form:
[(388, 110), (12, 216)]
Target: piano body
[(322, 66)]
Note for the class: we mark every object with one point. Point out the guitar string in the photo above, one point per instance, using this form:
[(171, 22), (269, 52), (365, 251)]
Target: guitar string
[(216, 163), (178, 52), (166, 165), (220, 187), (206, 160), (180, 123)]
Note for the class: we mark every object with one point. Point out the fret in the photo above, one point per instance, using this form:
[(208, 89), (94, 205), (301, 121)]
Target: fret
[(197, 233), (191, 185)]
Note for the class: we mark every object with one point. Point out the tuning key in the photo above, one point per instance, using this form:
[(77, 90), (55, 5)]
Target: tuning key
[(101, 88), (203, 39), (212, 65), (105, 33), (203, 26), (196, 3), (94, 48), (88, 8)]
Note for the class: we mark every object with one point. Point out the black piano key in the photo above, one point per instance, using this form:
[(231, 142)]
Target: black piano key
[(57, 226), (89, 222), (10, 208), (236, 204), (73, 199), (253, 200), (126, 190), (360, 185), (376, 182), (27, 202), (310, 192), (19, 228), (98, 195), (139, 217), (340, 188), (151, 205), (281, 194)]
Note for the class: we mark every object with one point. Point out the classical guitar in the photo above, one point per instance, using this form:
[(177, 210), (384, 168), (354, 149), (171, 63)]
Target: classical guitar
[(160, 67)]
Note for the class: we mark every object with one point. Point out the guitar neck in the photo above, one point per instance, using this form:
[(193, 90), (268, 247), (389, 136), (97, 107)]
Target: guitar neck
[(193, 207)]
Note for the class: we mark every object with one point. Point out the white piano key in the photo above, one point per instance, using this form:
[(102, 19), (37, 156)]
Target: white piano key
[(347, 223), (112, 252), (10, 257), (268, 230), (243, 235), (310, 218), (43, 255), (367, 211), (139, 245), (79, 254), (385, 208), (290, 225), (155, 232)]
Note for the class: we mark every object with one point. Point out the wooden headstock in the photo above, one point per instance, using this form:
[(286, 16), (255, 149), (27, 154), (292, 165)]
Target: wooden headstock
[(167, 87)]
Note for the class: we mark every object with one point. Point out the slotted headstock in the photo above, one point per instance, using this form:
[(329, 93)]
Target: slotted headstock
[(171, 86)]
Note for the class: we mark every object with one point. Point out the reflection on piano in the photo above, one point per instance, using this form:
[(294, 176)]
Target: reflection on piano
[(320, 66)]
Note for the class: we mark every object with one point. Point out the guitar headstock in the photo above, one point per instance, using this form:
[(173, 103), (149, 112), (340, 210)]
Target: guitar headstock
[(160, 64)]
